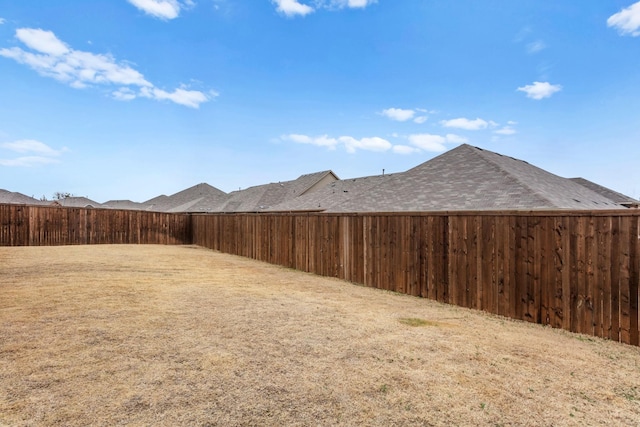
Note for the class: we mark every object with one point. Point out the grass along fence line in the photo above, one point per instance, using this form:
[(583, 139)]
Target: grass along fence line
[(579, 271)]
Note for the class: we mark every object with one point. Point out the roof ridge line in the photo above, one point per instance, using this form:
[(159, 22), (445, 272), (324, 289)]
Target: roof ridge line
[(533, 191)]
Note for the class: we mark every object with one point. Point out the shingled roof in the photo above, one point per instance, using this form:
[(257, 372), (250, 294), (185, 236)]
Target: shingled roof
[(331, 195), (76, 202), (264, 197), (124, 204), (470, 178), (199, 198), (607, 192), (11, 197)]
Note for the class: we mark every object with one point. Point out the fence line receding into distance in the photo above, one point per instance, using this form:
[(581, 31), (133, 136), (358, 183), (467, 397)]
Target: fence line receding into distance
[(50, 226)]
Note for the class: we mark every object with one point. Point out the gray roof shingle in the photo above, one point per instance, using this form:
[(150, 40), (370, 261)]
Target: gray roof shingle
[(470, 178), (265, 197), (199, 198), (18, 198), (607, 192), (124, 204), (331, 195), (76, 202)]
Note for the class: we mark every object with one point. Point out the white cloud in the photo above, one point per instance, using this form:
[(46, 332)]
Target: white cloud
[(536, 46), (42, 41), (124, 94), (37, 152), (436, 143), (428, 142), (506, 130), (627, 21), (540, 90), (292, 7), (30, 146), (462, 123), (79, 69), (2, 21), (188, 98), (352, 3), (162, 9), (370, 144), (320, 141), (402, 115), (404, 149), (398, 114), (350, 144)]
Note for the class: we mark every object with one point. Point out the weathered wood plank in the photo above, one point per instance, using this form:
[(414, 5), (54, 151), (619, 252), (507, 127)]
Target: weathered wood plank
[(625, 277), (634, 279)]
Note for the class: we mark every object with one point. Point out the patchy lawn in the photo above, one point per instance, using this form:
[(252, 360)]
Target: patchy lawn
[(179, 335)]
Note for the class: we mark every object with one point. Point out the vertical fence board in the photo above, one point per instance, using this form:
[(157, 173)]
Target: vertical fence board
[(634, 279), (625, 288)]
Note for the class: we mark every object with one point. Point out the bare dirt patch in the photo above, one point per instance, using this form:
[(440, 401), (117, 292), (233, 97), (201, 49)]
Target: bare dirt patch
[(166, 335)]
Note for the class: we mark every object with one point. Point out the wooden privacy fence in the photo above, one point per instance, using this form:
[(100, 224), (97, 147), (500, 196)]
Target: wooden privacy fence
[(48, 226), (578, 271)]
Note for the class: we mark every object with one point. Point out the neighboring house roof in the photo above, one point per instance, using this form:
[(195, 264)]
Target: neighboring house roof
[(464, 178), (331, 195), (199, 198), (155, 203), (17, 198), (124, 204), (264, 197), (470, 178), (607, 192), (77, 202)]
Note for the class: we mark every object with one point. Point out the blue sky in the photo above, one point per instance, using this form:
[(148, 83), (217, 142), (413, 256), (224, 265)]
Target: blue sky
[(130, 99)]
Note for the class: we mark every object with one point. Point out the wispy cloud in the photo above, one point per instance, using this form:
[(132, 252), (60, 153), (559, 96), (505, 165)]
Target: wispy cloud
[(353, 4), (2, 21), (369, 144), (416, 142), (161, 9), (627, 21), (398, 114), (467, 124), (51, 57), (506, 130), (434, 143), (536, 46), (540, 90), (403, 115), (350, 144), (291, 8), (405, 149), (36, 153), (320, 141)]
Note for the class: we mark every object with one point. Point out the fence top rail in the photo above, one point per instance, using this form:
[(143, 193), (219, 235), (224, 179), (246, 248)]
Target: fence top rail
[(100, 209), (539, 213), (624, 212)]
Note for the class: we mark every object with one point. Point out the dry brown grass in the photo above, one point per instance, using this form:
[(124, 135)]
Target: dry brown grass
[(160, 335)]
